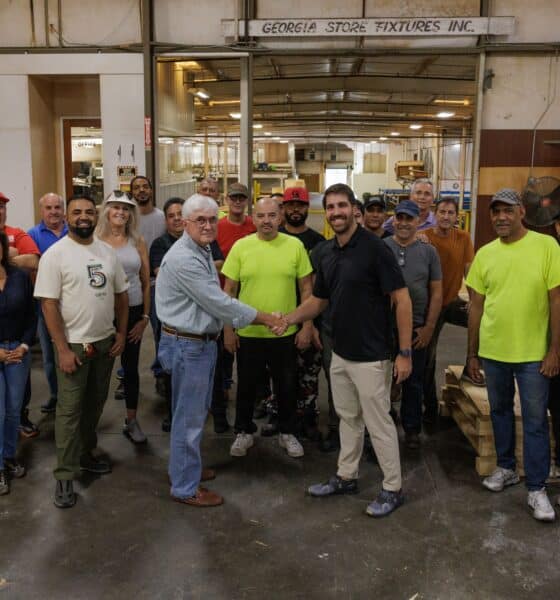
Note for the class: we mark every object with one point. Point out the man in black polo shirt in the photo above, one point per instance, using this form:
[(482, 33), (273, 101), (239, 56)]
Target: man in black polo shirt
[(358, 275), (172, 210)]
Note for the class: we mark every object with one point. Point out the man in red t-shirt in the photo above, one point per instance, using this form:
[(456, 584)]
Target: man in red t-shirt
[(25, 255), (236, 224)]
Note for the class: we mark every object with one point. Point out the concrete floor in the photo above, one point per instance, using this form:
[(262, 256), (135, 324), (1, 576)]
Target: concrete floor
[(125, 538)]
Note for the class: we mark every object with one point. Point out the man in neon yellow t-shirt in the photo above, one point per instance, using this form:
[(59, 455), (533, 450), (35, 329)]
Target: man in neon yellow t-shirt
[(264, 269), (514, 327)]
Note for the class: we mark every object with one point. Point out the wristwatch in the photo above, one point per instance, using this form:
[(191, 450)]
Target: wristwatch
[(406, 353)]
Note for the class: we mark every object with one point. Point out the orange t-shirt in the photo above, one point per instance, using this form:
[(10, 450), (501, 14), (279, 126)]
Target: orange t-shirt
[(455, 252)]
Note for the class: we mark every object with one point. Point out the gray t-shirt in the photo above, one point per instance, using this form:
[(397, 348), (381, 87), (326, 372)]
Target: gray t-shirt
[(152, 226), (420, 265)]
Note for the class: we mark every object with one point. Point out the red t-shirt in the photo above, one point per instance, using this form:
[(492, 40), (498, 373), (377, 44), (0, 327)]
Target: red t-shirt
[(23, 242), (229, 233)]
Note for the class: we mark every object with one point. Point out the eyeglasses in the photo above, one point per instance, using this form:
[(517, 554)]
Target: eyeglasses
[(203, 221), (402, 257)]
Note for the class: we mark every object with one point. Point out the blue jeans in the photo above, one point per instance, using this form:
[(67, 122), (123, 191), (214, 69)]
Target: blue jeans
[(13, 378), (191, 364), (533, 392), (48, 353), (412, 392)]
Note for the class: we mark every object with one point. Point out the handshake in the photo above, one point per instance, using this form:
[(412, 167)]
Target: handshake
[(276, 322)]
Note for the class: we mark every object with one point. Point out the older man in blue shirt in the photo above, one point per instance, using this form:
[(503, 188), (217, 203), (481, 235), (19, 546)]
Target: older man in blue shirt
[(50, 230), (192, 309)]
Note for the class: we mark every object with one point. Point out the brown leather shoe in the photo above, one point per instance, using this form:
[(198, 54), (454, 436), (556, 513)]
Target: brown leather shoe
[(203, 498)]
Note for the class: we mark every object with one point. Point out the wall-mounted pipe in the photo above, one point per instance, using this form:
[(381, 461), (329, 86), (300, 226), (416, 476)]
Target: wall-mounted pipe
[(59, 8), (32, 12)]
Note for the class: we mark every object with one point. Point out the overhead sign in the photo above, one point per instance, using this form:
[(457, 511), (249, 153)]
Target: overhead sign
[(383, 27)]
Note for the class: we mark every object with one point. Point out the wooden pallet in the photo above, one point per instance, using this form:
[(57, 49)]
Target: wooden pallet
[(468, 405)]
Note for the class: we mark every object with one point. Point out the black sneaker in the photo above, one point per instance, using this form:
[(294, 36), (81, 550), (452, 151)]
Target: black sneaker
[(14, 469), (27, 429), (4, 483), (91, 464), (119, 391), (334, 486), (49, 407), (330, 443), (64, 496)]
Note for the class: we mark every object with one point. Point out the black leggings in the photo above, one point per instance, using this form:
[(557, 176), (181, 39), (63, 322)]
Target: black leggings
[(130, 358)]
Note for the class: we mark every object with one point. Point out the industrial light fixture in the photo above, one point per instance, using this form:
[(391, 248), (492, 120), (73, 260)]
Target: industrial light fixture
[(373, 142), (395, 133), (444, 114), (235, 115), (277, 138), (165, 140), (382, 139), (464, 102), (284, 141), (267, 133), (415, 126), (203, 94), (257, 126)]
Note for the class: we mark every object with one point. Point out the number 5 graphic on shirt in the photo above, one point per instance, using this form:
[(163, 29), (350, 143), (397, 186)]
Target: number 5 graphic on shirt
[(97, 278)]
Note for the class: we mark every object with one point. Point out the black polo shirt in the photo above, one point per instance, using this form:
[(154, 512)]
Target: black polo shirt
[(357, 279)]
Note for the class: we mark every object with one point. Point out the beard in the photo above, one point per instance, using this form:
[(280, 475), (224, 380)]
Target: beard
[(295, 219), (82, 232)]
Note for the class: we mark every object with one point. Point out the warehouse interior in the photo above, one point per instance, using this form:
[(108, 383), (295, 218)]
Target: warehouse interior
[(100, 91)]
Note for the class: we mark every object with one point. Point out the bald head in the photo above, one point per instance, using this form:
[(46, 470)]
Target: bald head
[(52, 211), (266, 218)]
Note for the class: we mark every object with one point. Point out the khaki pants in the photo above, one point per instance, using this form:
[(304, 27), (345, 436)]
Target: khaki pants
[(81, 397), (361, 392)]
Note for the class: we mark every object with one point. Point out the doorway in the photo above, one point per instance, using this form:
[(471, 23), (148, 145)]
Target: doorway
[(333, 176), (83, 157)]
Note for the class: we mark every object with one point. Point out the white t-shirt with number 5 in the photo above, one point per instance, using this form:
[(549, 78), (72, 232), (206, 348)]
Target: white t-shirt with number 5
[(84, 279)]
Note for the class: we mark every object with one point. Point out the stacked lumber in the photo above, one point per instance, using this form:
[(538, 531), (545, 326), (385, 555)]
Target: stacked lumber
[(468, 406)]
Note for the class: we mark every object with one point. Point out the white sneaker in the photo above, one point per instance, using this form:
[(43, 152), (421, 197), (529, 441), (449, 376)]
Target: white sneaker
[(500, 479), (242, 443), (133, 431), (291, 444), (539, 502)]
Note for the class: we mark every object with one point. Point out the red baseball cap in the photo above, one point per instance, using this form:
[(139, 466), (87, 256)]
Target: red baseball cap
[(4, 198), (296, 194)]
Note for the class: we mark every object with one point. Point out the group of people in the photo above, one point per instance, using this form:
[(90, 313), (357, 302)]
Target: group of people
[(367, 305)]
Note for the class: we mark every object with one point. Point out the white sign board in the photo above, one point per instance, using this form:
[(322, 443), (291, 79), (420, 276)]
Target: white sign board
[(383, 27)]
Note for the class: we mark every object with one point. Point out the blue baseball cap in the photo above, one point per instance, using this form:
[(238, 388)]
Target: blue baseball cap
[(407, 207)]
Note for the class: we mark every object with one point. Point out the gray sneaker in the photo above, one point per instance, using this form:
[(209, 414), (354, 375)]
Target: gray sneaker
[(291, 444), (500, 479), (385, 503), (539, 502), (242, 443), (133, 431)]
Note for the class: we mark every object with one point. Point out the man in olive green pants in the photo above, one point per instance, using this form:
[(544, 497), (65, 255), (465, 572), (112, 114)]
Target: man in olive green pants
[(82, 287), (82, 398)]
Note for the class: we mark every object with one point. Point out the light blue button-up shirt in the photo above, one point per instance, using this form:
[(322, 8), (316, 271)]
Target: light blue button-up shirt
[(188, 293)]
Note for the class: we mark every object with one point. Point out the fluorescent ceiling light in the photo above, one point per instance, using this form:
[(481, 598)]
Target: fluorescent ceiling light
[(444, 114), (373, 142), (165, 140), (235, 115), (267, 133), (257, 126), (415, 126), (277, 138), (464, 102), (284, 141), (382, 139), (203, 94), (394, 133)]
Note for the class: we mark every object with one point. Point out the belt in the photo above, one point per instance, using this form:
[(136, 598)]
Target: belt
[(205, 337)]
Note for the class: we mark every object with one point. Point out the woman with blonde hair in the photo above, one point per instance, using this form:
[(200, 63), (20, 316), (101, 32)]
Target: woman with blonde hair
[(118, 228)]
